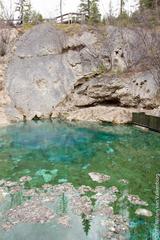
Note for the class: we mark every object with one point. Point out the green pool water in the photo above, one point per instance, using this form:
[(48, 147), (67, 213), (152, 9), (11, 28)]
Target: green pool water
[(57, 152)]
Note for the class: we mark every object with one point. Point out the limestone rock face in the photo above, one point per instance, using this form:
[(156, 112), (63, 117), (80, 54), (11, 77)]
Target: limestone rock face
[(44, 69), (115, 115), (111, 99), (3, 118), (83, 76), (137, 90), (7, 40), (126, 47)]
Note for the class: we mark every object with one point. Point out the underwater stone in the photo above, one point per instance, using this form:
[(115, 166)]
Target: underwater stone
[(64, 220), (83, 189), (54, 172), (47, 175), (47, 186), (134, 199), (29, 193), (86, 166), (10, 184), (15, 189), (124, 181), (110, 150), (62, 180), (100, 189), (30, 212), (97, 177), (143, 212), (25, 179)]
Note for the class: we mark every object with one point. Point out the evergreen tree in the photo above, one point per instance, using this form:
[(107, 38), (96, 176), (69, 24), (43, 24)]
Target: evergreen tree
[(90, 8), (86, 224), (26, 13), (84, 7), (146, 3), (149, 3), (95, 15)]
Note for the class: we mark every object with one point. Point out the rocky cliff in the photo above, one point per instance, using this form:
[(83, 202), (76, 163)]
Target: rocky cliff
[(8, 37), (92, 74)]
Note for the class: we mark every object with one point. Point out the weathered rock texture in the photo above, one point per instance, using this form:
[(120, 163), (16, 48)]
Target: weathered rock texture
[(7, 41), (80, 77), (44, 69)]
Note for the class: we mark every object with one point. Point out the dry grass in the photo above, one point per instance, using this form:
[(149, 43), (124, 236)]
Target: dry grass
[(70, 29)]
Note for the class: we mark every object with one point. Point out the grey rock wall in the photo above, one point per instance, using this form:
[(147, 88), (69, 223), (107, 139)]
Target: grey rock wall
[(50, 69), (44, 69)]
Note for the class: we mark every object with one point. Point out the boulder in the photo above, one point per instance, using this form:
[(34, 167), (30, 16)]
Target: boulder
[(44, 69), (135, 90), (143, 212), (98, 177)]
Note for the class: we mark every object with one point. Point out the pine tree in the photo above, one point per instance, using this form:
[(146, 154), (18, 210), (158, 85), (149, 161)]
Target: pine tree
[(86, 224), (84, 7), (21, 9), (149, 3), (95, 15), (27, 14), (27, 11)]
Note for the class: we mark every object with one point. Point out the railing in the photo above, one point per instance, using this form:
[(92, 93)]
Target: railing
[(71, 18), (148, 121), (67, 18)]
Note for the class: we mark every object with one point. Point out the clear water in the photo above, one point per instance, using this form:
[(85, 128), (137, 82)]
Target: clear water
[(57, 152)]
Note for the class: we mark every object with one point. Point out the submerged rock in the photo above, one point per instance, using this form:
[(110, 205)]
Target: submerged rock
[(97, 177), (62, 180), (30, 212), (134, 199), (83, 189), (143, 212), (61, 203), (48, 175), (64, 220), (10, 184), (25, 179), (81, 205), (29, 193), (124, 181)]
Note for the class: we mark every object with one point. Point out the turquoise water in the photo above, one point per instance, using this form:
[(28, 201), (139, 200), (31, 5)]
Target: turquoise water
[(57, 152)]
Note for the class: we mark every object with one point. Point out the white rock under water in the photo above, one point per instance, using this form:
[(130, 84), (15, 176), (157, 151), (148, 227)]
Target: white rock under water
[(143, 212), (97, 177)]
